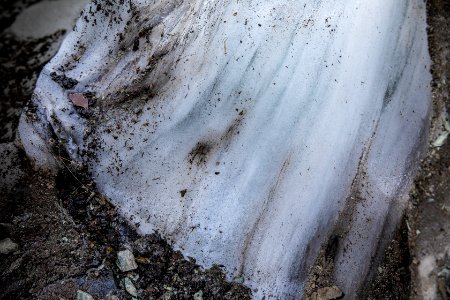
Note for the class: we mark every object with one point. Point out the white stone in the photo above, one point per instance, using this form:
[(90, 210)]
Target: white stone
[(126, 261), (129, 287), (84, 296)]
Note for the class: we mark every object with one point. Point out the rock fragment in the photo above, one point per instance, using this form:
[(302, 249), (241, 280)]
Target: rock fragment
[(445, 273), (327, 293), (440, 141), (83, 296), (7, 246), (129, 287), (126, 261), (198, 295), (79, 100)]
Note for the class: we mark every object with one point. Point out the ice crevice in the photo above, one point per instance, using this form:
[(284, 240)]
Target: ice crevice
[(246, 132)]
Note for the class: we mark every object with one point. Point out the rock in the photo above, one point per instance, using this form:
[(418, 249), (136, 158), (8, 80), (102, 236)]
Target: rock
[(445, 273), (440, 141), (167, 296), (327, 293), (83, 296), (7, 246), (99, 283), (126, 261), (198, 295), (129, 287), (239, 279), (79, 100)]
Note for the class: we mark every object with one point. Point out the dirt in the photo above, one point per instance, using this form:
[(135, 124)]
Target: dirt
[(429, 214), (69, 235), (20, 63)]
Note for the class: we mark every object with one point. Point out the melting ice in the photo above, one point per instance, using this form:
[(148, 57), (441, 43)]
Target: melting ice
[(247, 132)]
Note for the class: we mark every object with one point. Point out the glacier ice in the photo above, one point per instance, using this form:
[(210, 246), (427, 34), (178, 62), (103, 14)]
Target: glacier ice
[(246, 132)]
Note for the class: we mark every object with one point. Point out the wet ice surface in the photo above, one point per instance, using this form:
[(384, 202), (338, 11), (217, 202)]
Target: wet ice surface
[(41, 19), (247, 132)]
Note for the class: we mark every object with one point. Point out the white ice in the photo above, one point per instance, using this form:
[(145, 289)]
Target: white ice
[(284, 122)]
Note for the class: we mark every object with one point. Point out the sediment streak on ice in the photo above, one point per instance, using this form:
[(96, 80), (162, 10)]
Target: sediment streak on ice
[(237, 128)]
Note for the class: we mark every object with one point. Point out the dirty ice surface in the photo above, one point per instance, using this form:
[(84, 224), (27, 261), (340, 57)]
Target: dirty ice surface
[(247, 132)]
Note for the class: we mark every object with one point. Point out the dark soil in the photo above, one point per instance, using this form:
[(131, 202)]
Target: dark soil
[(20, 64), (69, 237), (429, 216)]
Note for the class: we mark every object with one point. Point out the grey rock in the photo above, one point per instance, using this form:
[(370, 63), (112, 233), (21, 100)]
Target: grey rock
[(7, 246), (445, 273), (239, 279), (126, 261), (198, 295), (99, 285), (83, 296), (129, 287)]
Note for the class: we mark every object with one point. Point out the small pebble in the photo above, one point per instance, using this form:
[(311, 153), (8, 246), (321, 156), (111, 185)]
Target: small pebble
[(79, 100), (126, 261), (239, 279), (198, 295), (7, 246), (445, 273), (83, 296), (327, 293), (129, 287)]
